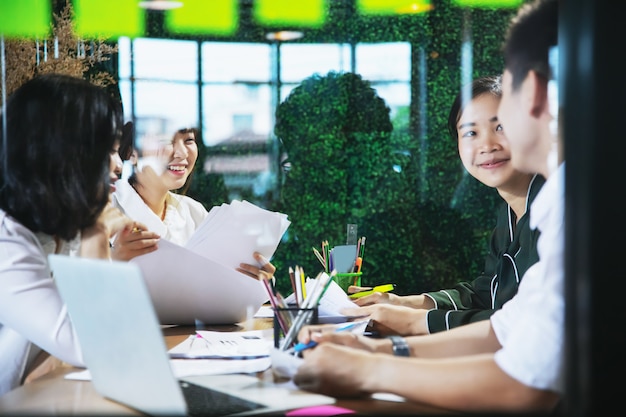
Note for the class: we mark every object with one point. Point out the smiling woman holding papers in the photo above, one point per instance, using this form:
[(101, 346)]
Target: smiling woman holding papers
[(147, 196)]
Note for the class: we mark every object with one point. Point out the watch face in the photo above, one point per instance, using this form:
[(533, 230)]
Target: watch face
[(400, 346)]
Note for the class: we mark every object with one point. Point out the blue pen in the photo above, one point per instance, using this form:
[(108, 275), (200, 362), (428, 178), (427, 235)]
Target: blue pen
[(299, 347)]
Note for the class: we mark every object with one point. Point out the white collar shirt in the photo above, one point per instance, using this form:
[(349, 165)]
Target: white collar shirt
[(530, 326), (182, 216)]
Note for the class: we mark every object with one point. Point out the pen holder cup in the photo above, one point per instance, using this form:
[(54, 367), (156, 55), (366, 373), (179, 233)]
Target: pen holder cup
[(345, 279), (284, 317)]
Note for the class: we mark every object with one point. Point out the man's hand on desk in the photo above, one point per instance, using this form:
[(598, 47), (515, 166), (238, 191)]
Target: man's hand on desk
[(320, 333), (334, 370), (375, 298), (388, 319)]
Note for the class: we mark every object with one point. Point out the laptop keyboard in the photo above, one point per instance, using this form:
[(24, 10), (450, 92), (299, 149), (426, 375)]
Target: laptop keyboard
[(202, 401)]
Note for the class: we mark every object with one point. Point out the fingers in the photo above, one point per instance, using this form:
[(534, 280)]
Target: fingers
[(355, 312), (125, 251), (305, 333), (132, 241), (367, 300), (251, 271), (247, 272), (265, 263), (354, 289), (266, 271)]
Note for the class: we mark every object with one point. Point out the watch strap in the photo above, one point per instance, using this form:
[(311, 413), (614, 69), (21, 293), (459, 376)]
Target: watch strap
[(400, 346)]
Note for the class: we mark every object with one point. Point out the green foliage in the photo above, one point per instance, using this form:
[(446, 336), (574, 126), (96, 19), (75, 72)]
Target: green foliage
[(425, 220), (207, 188)]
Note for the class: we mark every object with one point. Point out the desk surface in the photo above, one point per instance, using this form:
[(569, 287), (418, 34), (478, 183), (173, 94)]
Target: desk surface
[(53, 394)]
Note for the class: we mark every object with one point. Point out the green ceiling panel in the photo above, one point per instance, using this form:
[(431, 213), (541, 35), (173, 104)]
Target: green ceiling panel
[(215, 17), (496, 4), (302, 13), (108, 19), (392, 7), (25, 18)]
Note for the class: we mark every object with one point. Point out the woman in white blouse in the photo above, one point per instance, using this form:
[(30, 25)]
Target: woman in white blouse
[(55, 182), (147, 196)]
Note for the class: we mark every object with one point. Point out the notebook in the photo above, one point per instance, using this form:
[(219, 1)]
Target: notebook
[(124, 349)]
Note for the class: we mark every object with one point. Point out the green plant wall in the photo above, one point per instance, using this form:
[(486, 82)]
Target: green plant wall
[(426, 222)]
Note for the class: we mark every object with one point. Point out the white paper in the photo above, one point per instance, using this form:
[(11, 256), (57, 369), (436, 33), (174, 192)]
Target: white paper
[(333, 301), (200, 281), (224, 345), (284, 364), (235, 231), (190, 367), (185, 287), (186, 367)]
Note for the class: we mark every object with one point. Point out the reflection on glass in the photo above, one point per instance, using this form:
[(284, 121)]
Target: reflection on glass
[(384, 61), (299, 61), (236, 113), (162, 107), (233, 62), (165, 59)]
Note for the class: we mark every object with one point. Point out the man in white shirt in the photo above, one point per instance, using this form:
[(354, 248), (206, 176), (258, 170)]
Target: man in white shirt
[(514, 361)]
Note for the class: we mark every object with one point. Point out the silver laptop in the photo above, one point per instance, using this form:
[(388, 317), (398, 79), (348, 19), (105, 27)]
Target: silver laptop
[(124, 349)]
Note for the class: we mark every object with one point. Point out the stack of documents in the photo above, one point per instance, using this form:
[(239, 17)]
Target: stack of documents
[(199, 282), (232, 232)]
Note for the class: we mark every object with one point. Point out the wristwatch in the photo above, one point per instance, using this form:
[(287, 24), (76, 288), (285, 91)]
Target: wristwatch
[(400, 346)]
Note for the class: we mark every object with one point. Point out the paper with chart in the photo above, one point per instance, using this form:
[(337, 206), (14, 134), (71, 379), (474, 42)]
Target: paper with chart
[(206, 344)]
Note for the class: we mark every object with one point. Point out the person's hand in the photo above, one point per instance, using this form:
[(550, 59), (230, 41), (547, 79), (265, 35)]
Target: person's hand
[(388, 319), (95, 239), (326, 333), (265, 271), (134, 241), (304, 335), (413, 301), (377, 298), (334, 370)]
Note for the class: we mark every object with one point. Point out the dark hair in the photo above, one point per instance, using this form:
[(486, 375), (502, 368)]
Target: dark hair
[(60, 131), (199, 160), (529, 38), (491, 84)]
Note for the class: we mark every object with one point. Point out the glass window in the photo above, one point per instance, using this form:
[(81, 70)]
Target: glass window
[(225, 108), (235, 62), (163, 107), (384, 61), (298, 61), (165, 59), (374, 166)]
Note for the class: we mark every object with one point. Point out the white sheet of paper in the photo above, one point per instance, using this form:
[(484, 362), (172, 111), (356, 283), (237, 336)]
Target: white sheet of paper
[(185, 286), (332, 302), (189, 367), (236, 230), (199, 281), (224, 345)]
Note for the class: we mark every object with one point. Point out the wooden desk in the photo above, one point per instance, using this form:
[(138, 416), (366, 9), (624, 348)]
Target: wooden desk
[(52, 394)]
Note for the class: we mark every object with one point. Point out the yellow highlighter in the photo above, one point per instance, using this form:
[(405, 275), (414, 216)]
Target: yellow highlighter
[(378, 288)]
